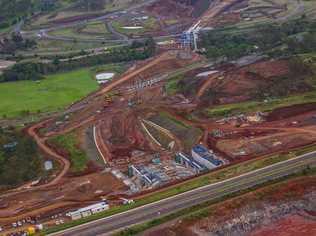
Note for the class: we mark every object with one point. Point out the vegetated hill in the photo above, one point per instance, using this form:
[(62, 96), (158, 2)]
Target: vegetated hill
[(12, 11)]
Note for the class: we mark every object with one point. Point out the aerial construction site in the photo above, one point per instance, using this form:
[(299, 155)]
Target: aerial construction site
[(168, 119)]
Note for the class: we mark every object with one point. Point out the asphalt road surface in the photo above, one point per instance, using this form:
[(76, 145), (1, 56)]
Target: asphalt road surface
[(108, 225)]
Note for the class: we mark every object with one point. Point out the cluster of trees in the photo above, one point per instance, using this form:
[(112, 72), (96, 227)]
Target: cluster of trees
[(301, 44), (297, 36), (14, 43), (23, 71), (228, 46), (36, 70), (19, 159)]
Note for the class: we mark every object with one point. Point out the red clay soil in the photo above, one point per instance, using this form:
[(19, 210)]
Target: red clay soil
[(267, 137), (265, 145), (239, 84), (123, 132), (286, 112), (290, 226), (206, 85), (75, 190)]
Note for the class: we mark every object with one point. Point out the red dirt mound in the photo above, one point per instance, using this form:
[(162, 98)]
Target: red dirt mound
[(242, 84), (286, 112), (124, 134)]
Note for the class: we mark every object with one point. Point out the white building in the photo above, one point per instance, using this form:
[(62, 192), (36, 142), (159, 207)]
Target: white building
[(89, 210), (203, 156)]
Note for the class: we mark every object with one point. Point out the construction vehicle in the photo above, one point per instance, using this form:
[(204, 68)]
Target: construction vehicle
[(108, 97), (32, 230), (108, 100), (127, 201)]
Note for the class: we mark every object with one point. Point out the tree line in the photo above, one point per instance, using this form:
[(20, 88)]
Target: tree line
[(293, 37), (37, 70)]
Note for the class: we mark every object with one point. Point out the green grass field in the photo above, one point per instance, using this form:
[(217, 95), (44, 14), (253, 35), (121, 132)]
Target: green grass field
[(51, 94)]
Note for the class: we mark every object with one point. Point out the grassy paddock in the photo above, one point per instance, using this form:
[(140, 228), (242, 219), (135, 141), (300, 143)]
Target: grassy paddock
[(53, 93), (200, 181)]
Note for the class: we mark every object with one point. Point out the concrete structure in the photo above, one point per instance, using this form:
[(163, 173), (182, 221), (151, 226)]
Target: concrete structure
[(48, 165), (89, 210), (10, 145), (103, 78), (188, 162), (203, 156), (147, 177), (189, 38)]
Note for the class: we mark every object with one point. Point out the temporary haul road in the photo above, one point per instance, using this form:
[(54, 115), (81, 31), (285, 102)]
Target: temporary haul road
[(110, 224)]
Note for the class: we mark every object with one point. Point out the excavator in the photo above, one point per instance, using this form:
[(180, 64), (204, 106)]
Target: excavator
[(108, 98)]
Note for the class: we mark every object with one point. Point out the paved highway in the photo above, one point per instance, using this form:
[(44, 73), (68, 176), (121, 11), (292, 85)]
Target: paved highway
[(108, 225)]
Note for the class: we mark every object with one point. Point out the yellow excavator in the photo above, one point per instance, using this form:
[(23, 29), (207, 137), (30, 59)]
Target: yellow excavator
[(107, 100)]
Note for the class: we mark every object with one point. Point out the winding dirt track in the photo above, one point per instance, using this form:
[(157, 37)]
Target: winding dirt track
[(206, 85), (41, 142)]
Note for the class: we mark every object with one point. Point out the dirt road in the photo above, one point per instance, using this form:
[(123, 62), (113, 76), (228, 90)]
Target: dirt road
[(164, 56), (41, 142), (206, 85)]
